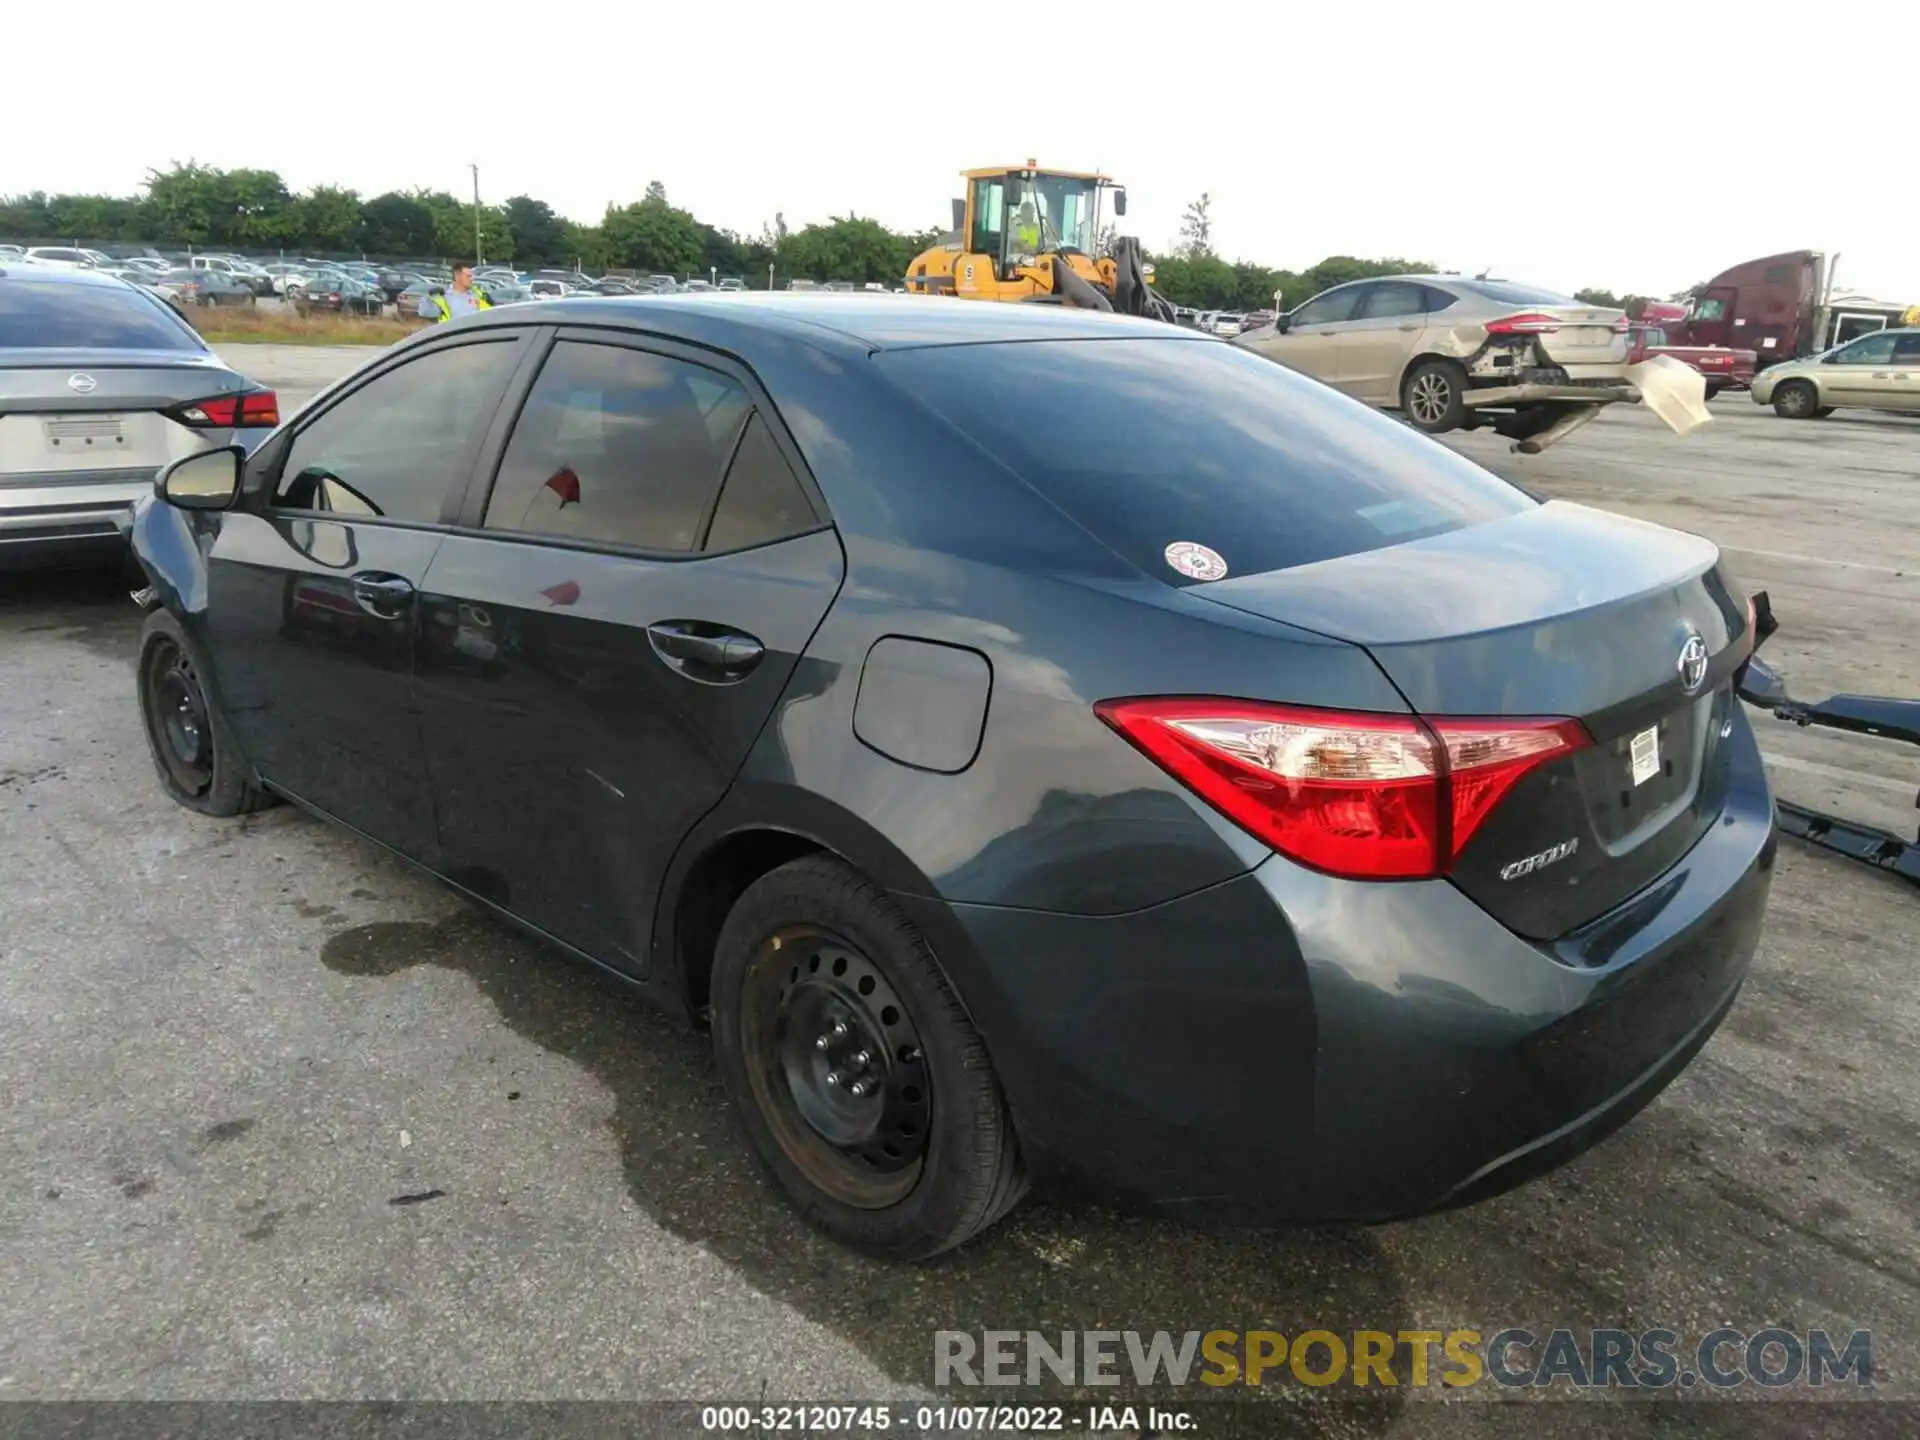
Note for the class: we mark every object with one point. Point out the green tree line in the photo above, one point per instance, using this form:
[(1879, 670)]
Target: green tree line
[(254, 210)]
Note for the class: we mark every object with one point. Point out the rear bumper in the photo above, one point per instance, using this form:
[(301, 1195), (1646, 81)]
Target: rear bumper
[(85, 517), (1591, 394), (1290, 1047)]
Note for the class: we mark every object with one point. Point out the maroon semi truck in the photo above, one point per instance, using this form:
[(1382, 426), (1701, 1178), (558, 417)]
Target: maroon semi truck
[(1771, 306)]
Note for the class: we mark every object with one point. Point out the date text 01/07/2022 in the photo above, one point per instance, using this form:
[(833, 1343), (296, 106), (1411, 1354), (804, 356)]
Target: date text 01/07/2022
[(941, 1419)]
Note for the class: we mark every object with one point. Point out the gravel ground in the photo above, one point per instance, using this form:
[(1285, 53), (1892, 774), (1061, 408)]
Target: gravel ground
[(232, 1050)]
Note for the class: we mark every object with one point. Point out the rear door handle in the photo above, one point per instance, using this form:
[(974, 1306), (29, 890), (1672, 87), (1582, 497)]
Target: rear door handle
[(704, 651), (381, 594)]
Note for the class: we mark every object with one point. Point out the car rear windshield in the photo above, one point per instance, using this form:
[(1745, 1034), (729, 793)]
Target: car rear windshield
[(55, 315), (1505, 292), (1149, 443)]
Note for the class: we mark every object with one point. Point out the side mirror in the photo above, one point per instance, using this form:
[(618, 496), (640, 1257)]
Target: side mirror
[(1120, 202), (207, 481), (1283, 323), (959, 213)]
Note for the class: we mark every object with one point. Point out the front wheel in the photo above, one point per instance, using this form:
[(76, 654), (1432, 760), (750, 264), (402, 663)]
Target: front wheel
[(860, 1079), (1433, 395), (1797, 400), (199, 765), (1713, 389)]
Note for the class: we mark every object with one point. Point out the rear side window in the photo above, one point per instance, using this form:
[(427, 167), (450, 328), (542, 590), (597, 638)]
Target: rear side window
[(1391, 298), (1149, 443), (616, 446), (761, 500), (55, 315)]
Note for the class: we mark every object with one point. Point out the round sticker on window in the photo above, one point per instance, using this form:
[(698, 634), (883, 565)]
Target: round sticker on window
[(1196, 561)]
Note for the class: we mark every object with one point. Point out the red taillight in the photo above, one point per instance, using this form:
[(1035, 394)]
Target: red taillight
[(1370, 797), (255, 408), (260, 408), (1622, 325), (1523, 325)]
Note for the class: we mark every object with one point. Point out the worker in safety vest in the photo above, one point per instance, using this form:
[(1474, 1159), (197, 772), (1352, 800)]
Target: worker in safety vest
[(1026, 229), (459, 299)]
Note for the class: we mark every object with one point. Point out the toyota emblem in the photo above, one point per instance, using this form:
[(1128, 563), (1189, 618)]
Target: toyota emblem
[(1692, 664), (80, 384)]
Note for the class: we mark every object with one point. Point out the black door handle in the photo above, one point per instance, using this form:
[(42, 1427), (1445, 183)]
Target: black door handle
[(381, 594), (703, 651)]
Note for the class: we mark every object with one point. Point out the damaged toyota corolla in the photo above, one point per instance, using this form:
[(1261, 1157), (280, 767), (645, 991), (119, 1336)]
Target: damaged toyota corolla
[(1038, 745)]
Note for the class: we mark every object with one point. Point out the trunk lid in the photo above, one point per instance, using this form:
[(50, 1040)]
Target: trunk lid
[(109, 428), (1586, 335), (35, 381), (1559, 611)]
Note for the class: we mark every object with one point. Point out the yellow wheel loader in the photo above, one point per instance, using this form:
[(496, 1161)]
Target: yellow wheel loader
[(1032, 236)]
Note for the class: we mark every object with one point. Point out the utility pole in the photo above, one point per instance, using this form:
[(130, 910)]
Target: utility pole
[(477, 256)]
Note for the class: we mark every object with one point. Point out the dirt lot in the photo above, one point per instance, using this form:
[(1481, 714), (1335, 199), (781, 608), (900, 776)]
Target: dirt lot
[(219, 1083)]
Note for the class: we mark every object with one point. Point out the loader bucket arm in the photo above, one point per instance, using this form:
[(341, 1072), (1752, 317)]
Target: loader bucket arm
[(1131, 293), (1073, 290)]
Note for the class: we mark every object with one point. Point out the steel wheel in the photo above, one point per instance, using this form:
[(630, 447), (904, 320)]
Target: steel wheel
[(1430, 397), (176, 713), (1795, 400), (836, 1064)]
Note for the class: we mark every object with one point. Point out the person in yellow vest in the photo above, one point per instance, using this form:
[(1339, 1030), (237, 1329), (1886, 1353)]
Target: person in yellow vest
[(1026, 228), (460, 298)]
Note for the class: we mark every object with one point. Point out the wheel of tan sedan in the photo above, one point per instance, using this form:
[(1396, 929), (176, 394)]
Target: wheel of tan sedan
[(193, 751), (1433, 395), (862, 1083), (1798, 400)]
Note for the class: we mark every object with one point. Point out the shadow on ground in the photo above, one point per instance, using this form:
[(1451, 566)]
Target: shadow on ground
[(1047, 1268)]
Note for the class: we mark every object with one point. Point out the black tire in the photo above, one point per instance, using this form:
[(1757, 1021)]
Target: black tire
[(815, 944), (1713, 389), (1433, 395), (1797, 400), (1823, 412), (194, 753)]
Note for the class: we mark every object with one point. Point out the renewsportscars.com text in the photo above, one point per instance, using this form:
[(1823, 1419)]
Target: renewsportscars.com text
[(1514, 1357)]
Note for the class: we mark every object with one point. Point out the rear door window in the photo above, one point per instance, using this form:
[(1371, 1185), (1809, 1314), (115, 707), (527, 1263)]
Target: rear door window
[(69, 315), (616, 446), (1391, 299), (1148, 443)]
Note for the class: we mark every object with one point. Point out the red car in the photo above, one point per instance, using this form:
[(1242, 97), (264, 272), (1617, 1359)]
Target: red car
[(1725, 369)]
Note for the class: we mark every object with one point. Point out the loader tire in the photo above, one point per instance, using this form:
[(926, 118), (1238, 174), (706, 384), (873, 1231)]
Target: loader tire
[(1433, 395)]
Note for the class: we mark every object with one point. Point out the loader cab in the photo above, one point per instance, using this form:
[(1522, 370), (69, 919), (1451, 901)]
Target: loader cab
[(1012, 215)]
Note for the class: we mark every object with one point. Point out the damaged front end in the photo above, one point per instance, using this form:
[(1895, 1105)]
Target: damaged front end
[(1877, 715)]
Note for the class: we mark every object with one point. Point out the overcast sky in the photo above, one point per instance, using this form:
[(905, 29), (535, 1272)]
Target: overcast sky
[(1635, 147)]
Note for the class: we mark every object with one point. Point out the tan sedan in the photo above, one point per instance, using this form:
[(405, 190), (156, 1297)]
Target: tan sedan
[(1448, 351), (1880, 371)]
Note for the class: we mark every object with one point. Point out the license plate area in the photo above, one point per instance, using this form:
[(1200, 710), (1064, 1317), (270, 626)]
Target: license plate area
[(1645, 776), (89, 440)]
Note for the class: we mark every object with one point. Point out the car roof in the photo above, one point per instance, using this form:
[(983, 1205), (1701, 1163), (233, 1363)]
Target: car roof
[(864, 320), (59, 275)]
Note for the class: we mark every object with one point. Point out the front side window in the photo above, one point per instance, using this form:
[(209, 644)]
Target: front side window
[(1872, 350), (1330, 308), (1709, 307), (615, 446), (989, 221), (394, 448), (1906, 349)]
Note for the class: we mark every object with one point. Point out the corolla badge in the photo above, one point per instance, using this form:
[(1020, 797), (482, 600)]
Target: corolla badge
[(81, 384), (1692, 664), (1541, 861)]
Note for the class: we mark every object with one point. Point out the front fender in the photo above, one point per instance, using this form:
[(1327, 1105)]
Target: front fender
[(170, 545)]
